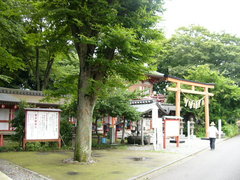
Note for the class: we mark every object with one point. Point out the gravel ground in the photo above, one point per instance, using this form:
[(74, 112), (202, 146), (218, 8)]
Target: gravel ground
[(16, 172)]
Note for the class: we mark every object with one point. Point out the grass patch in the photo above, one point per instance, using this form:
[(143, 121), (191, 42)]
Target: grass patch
[(112, 164)]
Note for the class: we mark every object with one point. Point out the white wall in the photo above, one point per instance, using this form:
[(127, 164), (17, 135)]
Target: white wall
[(4, 114)]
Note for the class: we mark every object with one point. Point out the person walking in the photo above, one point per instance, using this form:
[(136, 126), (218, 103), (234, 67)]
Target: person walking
[(212, 135)]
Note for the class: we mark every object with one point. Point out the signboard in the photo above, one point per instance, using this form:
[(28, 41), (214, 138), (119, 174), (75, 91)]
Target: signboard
[(42, 125), (172, 127)]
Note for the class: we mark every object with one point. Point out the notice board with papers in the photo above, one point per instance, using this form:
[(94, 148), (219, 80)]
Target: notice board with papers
[(42, 125)]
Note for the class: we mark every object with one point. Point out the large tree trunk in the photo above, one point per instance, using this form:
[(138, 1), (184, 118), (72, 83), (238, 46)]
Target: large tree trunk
[(83, 144), (86, 104), (86, 96)]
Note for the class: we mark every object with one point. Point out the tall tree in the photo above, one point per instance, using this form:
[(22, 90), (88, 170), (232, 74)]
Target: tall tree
[(195, 45), (110, 37), (29, 45), (225, 102), (42, 45), (11, 36), (117, 104)]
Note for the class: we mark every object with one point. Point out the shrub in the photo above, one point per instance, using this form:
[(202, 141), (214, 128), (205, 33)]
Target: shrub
[(33, 146), (66, 131), (200, 131), (230, 130), (19, 123), (7, 149), (41, 146)]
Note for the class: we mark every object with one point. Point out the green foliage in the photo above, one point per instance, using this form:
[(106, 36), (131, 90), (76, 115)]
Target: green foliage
[(117, 105), (33, 146), (41, 146), (66, 132), (195, 45), (225, 102), (200, 130), (65, 75), (118, 44), (111, 39), (11, 36), (230, 130), (10, 145), (5, 78), (29, 45), (19, 123), (6, 149), (102, 146)]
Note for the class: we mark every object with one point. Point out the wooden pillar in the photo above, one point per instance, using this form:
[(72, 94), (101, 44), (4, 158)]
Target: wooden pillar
[(206, 103), (1, 140), (178, 99)]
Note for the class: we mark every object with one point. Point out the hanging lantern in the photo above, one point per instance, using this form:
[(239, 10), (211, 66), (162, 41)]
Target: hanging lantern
[(15, 106), (3, 106)]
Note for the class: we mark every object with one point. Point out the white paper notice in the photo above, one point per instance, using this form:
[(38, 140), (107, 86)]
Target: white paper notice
[(42, 125), (172, 128)]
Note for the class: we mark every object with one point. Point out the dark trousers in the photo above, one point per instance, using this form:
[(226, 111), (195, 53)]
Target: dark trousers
[(212, 143)]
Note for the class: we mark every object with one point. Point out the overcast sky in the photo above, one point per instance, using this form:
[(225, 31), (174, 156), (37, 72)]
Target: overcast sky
[(215, 15)]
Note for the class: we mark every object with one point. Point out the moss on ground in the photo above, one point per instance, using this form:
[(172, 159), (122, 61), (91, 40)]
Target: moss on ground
[(110, 164)]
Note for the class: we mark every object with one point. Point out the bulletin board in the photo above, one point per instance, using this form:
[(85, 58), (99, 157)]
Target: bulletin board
[(171, 128), (42, 125)]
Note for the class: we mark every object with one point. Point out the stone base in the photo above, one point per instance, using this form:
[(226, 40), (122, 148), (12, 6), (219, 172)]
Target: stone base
[(174, 141)]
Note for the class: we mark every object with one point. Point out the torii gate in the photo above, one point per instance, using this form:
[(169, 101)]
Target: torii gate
[(193, 84)]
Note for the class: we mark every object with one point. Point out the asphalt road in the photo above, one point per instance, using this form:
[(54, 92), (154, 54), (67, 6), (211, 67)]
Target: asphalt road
[(220, 164)]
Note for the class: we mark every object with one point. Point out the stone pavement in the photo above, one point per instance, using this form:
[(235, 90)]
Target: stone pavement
[(11, 171), (166, 157), (186, 149)]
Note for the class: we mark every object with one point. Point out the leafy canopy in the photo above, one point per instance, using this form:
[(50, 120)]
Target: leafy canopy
[(11, 36), (195, 45), (225, 102), (117, 105)]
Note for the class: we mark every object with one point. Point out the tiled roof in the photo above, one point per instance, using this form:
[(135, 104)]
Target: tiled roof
[(20, 91), (145, 106), (8, 95)]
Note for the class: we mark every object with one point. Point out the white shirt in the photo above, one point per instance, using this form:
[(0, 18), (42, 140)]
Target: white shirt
[(212, 131)]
